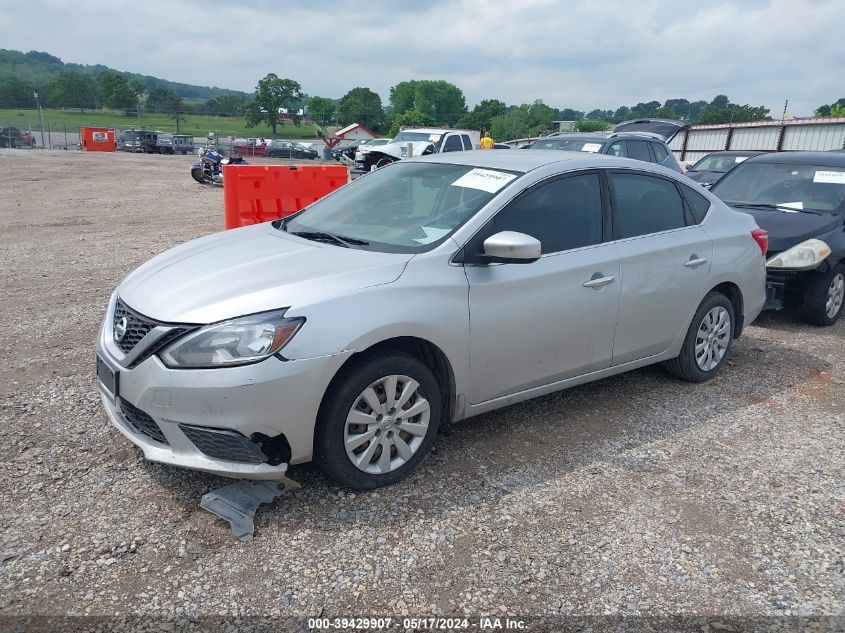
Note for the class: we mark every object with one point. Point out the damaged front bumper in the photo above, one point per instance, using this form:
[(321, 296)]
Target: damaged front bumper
[(245, 422), (181, 451)]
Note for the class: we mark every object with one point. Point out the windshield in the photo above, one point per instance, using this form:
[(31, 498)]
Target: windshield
[(810, 187), (568, 144), (405, 137), (402, 208), (721, 164)]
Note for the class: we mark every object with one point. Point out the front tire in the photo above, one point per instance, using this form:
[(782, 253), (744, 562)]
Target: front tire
[(378, 420), (824, 296), (708, 340)]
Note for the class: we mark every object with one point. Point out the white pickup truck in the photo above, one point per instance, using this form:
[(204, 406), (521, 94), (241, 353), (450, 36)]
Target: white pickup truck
[(420, 141)]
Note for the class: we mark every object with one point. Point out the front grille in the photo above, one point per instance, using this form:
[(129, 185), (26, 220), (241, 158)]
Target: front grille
[(230, 446), (137, 326), (141, 422)]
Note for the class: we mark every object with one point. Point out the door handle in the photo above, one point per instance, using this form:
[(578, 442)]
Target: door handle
[(695, 262), (598, 282)]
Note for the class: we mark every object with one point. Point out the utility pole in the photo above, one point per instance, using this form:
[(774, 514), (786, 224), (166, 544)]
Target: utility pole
[(41, 114)]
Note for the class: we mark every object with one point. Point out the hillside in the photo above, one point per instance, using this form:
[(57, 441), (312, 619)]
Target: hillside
[(40, 69)]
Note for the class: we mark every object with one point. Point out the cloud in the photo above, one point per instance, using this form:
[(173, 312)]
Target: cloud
[(582, 55)]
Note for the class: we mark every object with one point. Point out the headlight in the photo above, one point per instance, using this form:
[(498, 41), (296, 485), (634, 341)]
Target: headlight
[(237, 342), (803, 256)]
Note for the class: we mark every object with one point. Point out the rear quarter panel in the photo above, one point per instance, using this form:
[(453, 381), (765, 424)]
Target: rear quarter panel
[(736, 256)]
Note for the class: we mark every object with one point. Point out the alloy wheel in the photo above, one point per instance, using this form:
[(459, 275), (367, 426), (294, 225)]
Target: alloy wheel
[(835, 295), (387, 424), (712, 339)]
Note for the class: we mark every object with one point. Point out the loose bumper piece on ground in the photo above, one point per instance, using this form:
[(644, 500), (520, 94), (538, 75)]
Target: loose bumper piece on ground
[(237, 503)]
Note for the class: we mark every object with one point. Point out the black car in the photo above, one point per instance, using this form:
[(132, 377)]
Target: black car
[(712, 167), (284, 149), (799, 198), (643, 139)]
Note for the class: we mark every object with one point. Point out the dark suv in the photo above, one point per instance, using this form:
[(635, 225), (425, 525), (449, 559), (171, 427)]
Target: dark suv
[(644, 139)]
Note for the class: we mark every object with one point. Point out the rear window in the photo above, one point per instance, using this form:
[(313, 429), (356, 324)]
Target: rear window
[(639, 151), (659, 152), (698, 204), (569, 145), (644, 204)]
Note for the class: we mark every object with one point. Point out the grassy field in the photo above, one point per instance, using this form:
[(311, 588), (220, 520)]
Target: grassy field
[(198, 125)]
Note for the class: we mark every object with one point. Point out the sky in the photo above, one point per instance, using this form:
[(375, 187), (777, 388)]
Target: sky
[(581, 54)]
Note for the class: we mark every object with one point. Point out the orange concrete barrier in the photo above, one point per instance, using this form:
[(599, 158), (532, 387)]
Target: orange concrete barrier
[(97, 139), (259, 193)]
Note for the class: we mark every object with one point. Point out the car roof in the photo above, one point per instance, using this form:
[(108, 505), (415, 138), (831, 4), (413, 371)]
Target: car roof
[(575, 136), (527, 161), (831, 159), (735, 152)]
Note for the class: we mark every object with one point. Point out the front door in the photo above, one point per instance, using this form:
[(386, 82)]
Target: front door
[(534, 324)]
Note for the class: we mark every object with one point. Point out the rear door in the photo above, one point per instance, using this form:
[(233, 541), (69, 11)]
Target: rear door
[(665, 263)]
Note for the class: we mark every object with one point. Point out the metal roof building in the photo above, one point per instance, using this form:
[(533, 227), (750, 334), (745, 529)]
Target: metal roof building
[(807, 134)]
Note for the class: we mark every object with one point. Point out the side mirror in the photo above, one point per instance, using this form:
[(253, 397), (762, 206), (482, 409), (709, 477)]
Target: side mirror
[(510, 247)]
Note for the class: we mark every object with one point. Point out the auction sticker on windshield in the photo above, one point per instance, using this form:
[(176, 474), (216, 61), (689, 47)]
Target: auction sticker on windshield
[(484, 179), (835, 177), (591, 147)]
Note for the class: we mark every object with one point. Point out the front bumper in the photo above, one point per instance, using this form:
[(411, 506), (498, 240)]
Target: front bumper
[(271, 398), (782, 288)]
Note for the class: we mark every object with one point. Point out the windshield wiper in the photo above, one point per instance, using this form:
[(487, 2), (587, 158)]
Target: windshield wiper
[(774, 207), (324, 236)]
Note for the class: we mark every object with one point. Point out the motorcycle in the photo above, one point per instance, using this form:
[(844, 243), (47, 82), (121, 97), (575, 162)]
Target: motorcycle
[(209, 169)]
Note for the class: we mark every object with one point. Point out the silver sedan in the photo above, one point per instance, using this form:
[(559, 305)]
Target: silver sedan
[(434, 289)]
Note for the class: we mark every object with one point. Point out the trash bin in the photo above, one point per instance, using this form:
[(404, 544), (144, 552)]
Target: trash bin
[(327, 153)]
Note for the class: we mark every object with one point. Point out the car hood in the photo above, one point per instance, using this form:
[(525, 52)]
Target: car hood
[(788, 229), (400, 150), (704, 176), (249, 270)]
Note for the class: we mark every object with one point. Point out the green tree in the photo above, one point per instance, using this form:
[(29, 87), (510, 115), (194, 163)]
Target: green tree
[(73, 90), (829, 109), (568, 114), (272, 94), (15, 93), (482, 115), (526, 120), (412, 118), (589, 125), (362, 105), (320, 109), (440, 99), (664, 113), (115, 91), (160, 99)]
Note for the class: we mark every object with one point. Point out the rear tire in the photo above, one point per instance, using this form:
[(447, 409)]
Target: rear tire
[(707, 342), (824, 296), (362, 419)]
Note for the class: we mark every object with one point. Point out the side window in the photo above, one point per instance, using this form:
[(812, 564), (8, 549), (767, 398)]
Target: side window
[(618, 149), (453, 144), (639, 150), (563, 214), (698, 204), (660, 152), (644, 204), (467, 142)]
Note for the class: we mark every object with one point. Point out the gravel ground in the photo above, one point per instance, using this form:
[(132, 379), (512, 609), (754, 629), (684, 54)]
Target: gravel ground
[(635, 495)]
